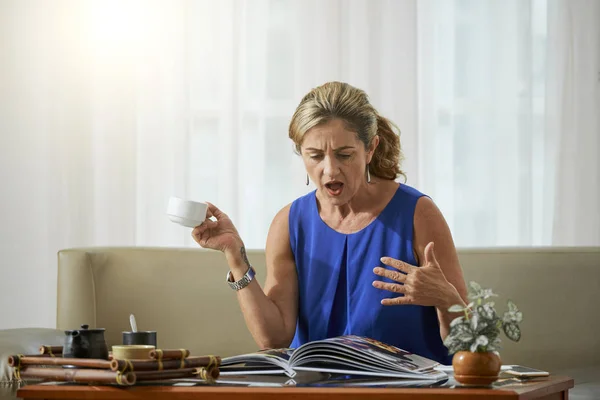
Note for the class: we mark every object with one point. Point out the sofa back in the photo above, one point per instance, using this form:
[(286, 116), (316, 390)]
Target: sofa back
[(181, 293)]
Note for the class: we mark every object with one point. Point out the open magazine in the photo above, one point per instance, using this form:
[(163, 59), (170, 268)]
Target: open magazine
[(350, 355)]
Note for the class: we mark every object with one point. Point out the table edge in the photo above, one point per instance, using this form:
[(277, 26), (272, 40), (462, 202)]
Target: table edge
[(37, 391)]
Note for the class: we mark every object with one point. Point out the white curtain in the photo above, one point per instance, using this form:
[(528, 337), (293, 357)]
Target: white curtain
[(509, 105), (573, 118), (481, 117), (109, 107)]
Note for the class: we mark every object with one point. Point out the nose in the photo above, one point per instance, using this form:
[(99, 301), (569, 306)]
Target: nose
[(332, 168)]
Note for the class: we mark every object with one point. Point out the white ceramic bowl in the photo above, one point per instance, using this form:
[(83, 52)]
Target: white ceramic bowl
[(186, 212)]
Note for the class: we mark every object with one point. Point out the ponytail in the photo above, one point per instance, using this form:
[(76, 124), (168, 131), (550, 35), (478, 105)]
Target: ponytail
[(386, 159)]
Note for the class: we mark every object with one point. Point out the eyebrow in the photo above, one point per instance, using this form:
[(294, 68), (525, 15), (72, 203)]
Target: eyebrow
[(338, 149)]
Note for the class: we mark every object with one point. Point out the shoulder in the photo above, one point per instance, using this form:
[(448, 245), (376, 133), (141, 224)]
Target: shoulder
[(428, 216), (289, 213), (278, 237), (409, 191), (428, 222), (300, 209), (302, 201), (430, 226), (405, 199), (281, 219)]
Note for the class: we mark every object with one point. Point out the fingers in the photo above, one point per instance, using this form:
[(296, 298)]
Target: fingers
[(430, 255), (399, 276), (200, 230), (399, 288), (207, 224), (197, 234), (214, 211), (399, 265), (397, 301), (393, 275), (390, 287)]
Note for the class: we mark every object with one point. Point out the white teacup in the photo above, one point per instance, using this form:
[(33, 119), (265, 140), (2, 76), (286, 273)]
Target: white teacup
[(186, 212)]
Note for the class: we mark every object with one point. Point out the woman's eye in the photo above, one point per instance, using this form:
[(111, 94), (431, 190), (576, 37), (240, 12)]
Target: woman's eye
[(344, 156), (316, 157)]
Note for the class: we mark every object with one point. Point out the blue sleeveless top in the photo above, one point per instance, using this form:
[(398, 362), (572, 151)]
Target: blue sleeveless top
[(335, 275)]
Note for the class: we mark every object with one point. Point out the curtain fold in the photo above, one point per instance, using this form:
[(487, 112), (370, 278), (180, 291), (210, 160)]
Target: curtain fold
[(574, 120)]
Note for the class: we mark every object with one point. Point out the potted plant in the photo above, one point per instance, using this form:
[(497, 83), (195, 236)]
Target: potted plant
[(474, 336)]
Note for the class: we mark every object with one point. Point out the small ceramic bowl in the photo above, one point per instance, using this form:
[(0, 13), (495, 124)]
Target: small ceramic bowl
[(132, 352), (186, 212)]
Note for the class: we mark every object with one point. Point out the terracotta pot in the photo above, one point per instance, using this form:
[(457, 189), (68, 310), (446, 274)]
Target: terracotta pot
[(476, 368)]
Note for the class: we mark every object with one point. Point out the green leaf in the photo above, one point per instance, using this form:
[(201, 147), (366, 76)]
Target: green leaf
[(457, 321), (487, 293), (460, 327), (512, 307), (456, 348), (474, 286), (449, 341), (490, 330), (487, 311), (511, 316), (465, 337), (474, 322), (518, 316), (481, 326), (456, 308), (512, 331)]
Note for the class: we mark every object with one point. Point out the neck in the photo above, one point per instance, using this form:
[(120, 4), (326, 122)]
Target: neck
[(361, 202)]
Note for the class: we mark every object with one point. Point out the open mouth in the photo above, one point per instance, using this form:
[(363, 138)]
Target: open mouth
[(334, 188)]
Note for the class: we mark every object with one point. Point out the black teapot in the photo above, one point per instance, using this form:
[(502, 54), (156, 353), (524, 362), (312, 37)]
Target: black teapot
[(85, 343)]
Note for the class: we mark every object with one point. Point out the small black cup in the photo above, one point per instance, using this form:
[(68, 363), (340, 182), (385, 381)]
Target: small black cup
[(140, 337)]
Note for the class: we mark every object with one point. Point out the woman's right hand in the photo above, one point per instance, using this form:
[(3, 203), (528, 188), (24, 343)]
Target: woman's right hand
[(218, 235)]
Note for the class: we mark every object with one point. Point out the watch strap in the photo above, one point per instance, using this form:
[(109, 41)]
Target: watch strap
[(244, 280)]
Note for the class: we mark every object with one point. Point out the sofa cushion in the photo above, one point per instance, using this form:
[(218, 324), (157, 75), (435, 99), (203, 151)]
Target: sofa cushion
[(22, 341)]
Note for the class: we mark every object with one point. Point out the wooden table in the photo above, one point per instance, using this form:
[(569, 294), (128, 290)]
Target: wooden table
[(551, 388)]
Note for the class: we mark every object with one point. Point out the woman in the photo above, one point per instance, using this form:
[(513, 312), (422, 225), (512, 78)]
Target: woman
[(355, 256)]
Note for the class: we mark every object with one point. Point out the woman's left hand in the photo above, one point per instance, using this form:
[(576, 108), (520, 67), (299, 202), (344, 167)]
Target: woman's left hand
[(425, 285)]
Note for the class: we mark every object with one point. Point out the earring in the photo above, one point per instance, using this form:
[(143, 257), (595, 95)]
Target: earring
[(368, 175), (307, 182)]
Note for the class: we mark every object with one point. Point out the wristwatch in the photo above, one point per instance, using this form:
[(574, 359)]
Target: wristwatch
[(243, 282)]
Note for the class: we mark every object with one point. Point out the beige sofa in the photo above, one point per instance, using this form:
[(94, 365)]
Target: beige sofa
[(181, 293)]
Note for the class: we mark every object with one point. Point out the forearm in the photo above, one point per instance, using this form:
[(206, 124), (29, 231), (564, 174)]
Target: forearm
[(444, 316), (263, 317)]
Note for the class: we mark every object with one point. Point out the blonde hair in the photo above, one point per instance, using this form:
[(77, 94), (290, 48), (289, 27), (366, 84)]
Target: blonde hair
[(338, 100)]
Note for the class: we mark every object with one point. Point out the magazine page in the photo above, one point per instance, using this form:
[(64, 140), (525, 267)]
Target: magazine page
[(363, 381), (302, 377), (431, 375), (374, 350), (271, 357), (251, 369), (346, 353), (337, 360), (349, 362)]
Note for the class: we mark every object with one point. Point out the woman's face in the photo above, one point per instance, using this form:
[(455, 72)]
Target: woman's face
[(336, 161)]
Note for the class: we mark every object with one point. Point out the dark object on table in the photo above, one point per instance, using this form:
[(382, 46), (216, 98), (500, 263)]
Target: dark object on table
[(140, 337), (85, 343)]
